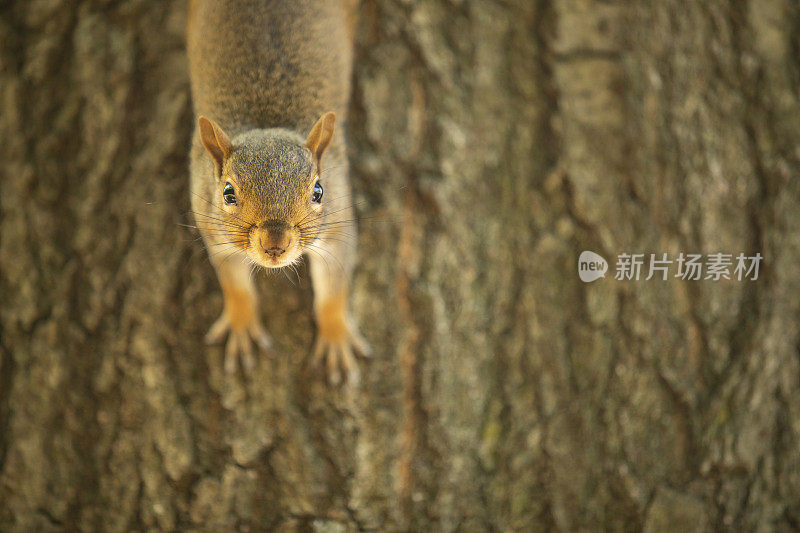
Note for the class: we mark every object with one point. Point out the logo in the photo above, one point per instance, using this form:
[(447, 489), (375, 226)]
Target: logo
[(591, 266), (725, 267)]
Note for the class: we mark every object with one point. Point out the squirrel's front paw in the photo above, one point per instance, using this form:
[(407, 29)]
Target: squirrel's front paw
[(337, 353), (240, 341)]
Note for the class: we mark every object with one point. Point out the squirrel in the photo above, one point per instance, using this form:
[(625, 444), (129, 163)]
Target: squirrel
[(268, 81)]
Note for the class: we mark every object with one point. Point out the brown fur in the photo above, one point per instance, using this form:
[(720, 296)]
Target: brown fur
[(257, 63), (239, 304), (332, 318)]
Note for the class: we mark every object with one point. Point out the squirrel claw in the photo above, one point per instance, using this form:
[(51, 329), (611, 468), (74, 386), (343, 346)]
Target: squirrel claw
[(218, 330), (360, 346), (240, 342), (339, 358)]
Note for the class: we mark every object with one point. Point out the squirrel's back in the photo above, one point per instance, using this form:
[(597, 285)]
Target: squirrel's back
[(269, 63)]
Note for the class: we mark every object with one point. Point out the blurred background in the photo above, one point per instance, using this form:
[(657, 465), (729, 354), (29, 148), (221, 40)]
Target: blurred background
[(491, 143)]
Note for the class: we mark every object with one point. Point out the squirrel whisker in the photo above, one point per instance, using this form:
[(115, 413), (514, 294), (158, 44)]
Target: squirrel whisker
[(325, 169), (229, 242), (314, 247), (245, 222), (218, 220)]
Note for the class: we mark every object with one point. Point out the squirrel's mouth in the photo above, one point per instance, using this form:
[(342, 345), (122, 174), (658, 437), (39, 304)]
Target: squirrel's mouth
[(274, 262), (271, 261)]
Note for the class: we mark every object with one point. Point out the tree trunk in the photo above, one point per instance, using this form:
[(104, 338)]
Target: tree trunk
[(491, 143)]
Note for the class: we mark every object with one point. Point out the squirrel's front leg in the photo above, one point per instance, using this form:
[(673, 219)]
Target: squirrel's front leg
[(337, 335), (239, 319)]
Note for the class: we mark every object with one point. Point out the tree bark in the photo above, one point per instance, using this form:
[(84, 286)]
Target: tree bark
[(491, 143)]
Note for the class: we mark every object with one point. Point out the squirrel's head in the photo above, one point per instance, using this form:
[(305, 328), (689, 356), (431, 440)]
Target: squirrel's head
[(268, 197)]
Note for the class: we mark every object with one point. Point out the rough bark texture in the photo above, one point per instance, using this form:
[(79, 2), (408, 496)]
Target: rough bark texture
[(491, 143)]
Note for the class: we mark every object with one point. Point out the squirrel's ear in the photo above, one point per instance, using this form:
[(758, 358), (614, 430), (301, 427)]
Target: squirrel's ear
[(215, 140), (321, 135)]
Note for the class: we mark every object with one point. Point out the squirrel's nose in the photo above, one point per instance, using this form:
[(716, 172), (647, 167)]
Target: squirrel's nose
[(274, 252), (275, 245)]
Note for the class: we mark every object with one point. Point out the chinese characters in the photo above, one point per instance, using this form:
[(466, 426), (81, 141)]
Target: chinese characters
[(712, 267)]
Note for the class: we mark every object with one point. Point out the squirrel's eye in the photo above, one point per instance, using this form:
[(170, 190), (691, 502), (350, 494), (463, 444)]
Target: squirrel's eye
[(316, 195), (228, 195)]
